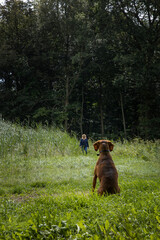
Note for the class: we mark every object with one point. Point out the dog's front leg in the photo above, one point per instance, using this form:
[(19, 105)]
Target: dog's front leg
[(94, 182)]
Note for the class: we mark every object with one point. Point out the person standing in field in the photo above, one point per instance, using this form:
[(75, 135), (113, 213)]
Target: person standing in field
[(84, 143)]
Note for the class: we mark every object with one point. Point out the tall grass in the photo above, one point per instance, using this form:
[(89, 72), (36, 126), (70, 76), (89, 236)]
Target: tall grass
[(42, 141), (26, 153), (46, 181)]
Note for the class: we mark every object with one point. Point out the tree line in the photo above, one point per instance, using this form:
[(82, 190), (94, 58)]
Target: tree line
[(90, 66)]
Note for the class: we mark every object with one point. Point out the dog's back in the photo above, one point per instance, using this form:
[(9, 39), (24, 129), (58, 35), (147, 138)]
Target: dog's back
[(105, 170)]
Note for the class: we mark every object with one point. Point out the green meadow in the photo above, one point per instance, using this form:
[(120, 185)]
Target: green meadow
[(46, 182)]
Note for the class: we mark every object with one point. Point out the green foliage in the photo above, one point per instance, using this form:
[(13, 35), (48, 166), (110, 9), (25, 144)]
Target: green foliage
[(68, 63), (49, 197)]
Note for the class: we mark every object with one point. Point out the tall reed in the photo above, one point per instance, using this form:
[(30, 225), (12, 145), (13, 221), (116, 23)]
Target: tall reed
[(38, 142)]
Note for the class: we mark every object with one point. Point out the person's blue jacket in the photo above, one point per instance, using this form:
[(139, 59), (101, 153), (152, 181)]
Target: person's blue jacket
[(84, 142)]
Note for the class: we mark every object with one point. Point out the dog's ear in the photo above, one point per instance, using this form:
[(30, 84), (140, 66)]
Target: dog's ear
[(96, 145), (111, 146)]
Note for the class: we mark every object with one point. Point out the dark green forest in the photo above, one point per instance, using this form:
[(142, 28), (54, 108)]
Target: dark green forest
[(88, 66)]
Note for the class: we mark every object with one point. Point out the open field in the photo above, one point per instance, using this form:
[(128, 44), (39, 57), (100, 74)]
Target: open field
[(45, 188)]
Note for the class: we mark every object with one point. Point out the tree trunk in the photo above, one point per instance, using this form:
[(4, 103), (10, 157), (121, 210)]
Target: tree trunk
[(66, 104), (123, 117), (101, 107), (81, 117), (102, 122)]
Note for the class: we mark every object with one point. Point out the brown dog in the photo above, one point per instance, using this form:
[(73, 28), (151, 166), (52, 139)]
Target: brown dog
[(105, 169)]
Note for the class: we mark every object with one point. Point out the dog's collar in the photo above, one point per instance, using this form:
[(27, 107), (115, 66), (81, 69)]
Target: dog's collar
[(102, 152)]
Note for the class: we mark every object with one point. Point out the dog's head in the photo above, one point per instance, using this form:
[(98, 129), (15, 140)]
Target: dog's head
[(103, 144)]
